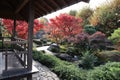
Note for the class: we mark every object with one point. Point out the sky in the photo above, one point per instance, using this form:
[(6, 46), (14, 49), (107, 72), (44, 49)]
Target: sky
[(93, 4)]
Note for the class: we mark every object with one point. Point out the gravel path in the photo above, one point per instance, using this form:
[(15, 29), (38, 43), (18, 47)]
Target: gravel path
[(44, 73), (45, 49)]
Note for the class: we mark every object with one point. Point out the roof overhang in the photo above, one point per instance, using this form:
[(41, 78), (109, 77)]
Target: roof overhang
[(19, 8)]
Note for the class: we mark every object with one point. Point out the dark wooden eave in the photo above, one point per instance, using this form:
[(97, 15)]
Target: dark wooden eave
[(10, 8)]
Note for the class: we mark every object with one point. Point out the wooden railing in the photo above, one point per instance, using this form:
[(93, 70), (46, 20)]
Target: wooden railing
[(19, 47), (2, 40)]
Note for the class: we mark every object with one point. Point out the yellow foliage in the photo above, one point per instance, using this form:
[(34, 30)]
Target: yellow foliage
[(107, 16)]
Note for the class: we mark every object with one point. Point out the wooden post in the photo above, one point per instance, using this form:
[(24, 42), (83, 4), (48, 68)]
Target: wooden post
[(14, 28), (13, 32), (30, 34), (29, 77)]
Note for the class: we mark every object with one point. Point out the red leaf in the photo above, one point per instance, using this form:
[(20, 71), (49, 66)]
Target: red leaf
[(21, 27)]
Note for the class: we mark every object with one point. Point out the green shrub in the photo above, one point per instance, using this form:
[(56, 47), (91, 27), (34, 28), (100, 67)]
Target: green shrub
[(47, 60), (115, 36), (65, 70), (69, 72), (72, 51), (72, 12), (109, 71), (89, 29), (54, 50), (63, 47), (88, 60), (106, 56), (38, 42), (106, 17), (85, 14)]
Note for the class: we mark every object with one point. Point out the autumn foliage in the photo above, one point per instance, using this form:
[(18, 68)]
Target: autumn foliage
[(64, 26), (21, 27)]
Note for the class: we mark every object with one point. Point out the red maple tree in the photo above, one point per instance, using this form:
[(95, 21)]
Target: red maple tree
[(21, 27), (64, 26)]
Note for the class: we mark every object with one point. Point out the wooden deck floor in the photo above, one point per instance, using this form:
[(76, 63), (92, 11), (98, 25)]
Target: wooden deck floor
[(1, 63), (15, 69)]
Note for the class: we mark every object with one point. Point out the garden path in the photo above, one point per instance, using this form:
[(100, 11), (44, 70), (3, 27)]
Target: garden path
[(45, 49), (44, 73)]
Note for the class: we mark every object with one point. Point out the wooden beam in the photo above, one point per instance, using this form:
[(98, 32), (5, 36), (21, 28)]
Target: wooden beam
[(40, 13), (83, 0), (20, 60), (30, 34), (25, 17), (54, 3), (41, 7), (20, 17), (63, 1), (11, 6), (47, 5), (21, 6), (37, 14), (6, 14)]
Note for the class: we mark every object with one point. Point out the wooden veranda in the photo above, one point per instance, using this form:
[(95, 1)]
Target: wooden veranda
[(21, 54)]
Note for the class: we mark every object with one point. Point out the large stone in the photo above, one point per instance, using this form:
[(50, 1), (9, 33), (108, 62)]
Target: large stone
[(65, 57), (54, 48)]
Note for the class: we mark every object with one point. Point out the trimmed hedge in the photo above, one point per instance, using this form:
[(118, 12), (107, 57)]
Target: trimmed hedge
[(106, 56), (109, 71), (47, 60), (64, 70), (68, 71)]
